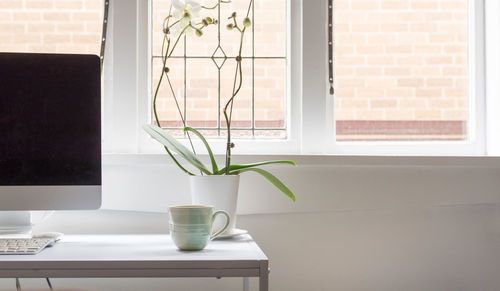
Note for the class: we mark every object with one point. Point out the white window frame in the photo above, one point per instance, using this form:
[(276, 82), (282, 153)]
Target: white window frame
[(492, 49), (311, 130), (129, 106), (246, 145), (325, 141)]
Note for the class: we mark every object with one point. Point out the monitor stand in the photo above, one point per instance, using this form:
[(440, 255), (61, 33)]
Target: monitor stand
[(15, 224)]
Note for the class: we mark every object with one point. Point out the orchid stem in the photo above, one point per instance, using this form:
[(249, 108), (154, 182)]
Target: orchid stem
[(236, 90)]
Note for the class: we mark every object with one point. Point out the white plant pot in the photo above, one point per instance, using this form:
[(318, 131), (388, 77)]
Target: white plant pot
[(218, 191)]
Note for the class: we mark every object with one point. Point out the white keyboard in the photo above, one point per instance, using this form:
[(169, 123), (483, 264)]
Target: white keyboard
[(23, 246)]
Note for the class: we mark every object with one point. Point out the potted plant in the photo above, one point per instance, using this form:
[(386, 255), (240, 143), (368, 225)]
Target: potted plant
[(215, 185)]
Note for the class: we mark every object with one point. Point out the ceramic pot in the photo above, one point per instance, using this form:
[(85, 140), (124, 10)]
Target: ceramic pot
[(218, 191)]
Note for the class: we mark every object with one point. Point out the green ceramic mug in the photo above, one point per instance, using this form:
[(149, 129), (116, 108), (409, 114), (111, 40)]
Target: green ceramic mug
[(191, 225)]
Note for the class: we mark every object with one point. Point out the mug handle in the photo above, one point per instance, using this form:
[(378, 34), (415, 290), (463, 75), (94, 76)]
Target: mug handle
[(223, 228)]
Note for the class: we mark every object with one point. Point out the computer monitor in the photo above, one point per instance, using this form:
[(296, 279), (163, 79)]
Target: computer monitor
[(50, 132)]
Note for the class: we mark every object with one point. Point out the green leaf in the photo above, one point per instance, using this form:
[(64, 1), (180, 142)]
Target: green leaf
[(167, 140), (245, 166), (271, 178), (177, 162), (215, 169)]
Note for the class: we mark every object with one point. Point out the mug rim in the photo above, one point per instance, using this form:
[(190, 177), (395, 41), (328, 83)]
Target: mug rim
[(191, 207)]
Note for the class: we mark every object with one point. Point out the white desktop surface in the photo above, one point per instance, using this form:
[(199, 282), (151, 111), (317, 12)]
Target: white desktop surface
[(79, 256)]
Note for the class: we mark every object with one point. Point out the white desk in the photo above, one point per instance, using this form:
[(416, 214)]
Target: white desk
[(134, 256)]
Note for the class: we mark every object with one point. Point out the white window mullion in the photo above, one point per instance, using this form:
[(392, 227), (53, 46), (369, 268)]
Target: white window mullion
[(295, 75), (492, 39), (477, 75), (125, 71), (315, 105), (144, 99)]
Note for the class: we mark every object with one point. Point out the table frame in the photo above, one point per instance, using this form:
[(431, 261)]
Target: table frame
[(22, 266)]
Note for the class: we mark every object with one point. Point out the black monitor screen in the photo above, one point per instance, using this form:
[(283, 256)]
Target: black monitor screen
[(50, 119)]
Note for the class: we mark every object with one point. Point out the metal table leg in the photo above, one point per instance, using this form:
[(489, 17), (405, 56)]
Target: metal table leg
[(264, 276), (246, 286)]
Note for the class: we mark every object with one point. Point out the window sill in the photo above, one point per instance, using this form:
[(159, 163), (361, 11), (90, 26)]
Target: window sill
[(151, 182), (319, 160)]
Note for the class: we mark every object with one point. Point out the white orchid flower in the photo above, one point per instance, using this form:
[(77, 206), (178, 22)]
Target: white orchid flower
[(186, 12)]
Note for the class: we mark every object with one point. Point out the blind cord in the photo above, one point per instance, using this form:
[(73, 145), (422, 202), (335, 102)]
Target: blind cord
[(330, 46), (104, 32)]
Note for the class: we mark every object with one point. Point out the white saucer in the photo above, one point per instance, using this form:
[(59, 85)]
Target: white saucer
[(232, 233)]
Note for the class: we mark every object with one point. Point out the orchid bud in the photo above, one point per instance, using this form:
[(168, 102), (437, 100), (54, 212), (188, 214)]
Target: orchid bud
[(209, 20), (230, 26), (199, 32), (247, 22), (204, 22), (233, 15), (187, 16)]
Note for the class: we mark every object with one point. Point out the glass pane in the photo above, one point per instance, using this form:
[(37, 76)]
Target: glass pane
[(401, 70), (260, 106), (242, 106), (51, 26), (270, 28), (202, 98), (206, 44), (270, 94), (160, 12), (230, 39), (168, 112)]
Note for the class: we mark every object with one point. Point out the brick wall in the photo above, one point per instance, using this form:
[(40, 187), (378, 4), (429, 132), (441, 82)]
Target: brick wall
[(401, 64), (63, 26)]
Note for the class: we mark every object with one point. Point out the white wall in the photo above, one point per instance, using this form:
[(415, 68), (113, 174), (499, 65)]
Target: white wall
[(360, 223), (404, 248)]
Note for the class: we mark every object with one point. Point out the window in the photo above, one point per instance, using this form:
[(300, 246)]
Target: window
[(338, 131), (51, 26), (408, 96), (409, 74), (402, 70), (202, 71)]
